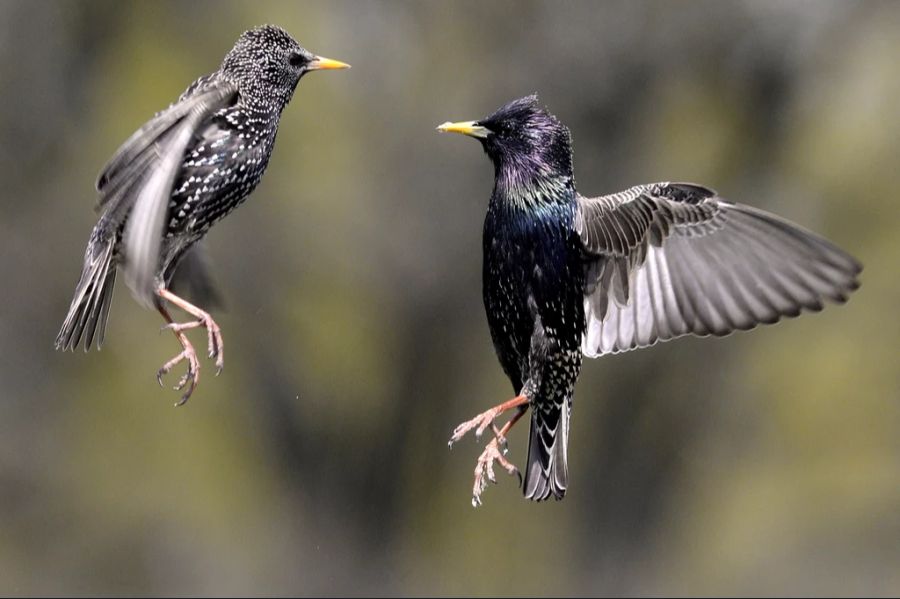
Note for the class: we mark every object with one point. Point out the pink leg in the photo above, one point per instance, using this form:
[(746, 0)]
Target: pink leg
[(214, 333)]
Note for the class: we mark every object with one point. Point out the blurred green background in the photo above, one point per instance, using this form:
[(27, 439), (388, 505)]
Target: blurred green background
[(767, 462)]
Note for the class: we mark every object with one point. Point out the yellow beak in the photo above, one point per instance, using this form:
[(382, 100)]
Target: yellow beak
[(320, 63), (469, 128)]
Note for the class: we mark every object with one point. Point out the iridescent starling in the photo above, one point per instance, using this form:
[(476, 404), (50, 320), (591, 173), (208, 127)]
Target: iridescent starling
[(567, 276), (184, 170)]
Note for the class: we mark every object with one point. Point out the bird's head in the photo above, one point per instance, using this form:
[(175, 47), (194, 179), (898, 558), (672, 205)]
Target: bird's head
[(522, 139), (266, 63)]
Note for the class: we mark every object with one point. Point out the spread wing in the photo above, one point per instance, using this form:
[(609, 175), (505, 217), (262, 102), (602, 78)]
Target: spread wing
[(667, 260), (137, 182)]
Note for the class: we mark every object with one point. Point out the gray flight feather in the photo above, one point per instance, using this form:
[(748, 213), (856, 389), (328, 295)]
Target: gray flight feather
[(676, 259)]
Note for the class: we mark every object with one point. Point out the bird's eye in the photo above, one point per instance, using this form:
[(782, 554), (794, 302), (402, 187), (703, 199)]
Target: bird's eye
[(297, 60)]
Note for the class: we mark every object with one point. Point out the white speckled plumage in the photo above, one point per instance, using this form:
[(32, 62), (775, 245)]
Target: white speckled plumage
[(185, 169)]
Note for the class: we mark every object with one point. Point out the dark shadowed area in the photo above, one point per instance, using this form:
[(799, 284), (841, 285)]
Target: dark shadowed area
[(767, 462)]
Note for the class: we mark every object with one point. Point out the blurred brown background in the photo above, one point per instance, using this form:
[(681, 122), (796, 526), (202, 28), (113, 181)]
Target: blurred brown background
[(767, 462)]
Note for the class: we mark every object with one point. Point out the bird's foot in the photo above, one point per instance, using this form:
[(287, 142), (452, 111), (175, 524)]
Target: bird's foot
[(191, 377), (214, 336), (484, 468), (496, 449), (479, 423), (486, 419)]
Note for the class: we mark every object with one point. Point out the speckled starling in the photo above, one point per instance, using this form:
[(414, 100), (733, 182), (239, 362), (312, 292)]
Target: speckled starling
[(567, 276), (184, 170)]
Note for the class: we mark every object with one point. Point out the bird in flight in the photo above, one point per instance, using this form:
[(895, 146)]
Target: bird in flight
[(184, 170), (567, 276)]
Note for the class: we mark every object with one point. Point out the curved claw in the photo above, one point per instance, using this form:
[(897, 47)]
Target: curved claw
[(184, 397), (190, 378), (214, 341)]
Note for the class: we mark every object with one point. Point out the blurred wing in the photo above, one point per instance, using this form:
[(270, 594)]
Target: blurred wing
[(675, 259), (127, 158), (137, 183)]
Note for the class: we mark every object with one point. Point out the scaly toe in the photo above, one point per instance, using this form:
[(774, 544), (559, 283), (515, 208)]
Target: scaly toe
[(490, 472), (485, 421), (479, 423), (459, 432), (484, 470), (189, 379), (183, 380), (167, 368)]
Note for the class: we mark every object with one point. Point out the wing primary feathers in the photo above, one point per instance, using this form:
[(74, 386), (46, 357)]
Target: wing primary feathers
[(677, 259)]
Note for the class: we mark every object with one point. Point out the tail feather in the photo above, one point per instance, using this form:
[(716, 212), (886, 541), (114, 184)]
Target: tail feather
[(108, 289), (547, 470), (89, 310)]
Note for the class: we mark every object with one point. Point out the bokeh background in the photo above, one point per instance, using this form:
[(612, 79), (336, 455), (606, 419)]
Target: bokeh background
[(767, 462)]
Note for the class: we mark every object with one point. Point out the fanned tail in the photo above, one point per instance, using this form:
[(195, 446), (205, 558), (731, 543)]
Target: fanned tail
[(90, 307)]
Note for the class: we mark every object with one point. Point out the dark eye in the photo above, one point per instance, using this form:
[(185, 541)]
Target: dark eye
[(297, 60)]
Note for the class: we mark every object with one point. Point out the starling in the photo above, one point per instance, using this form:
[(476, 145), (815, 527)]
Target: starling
[(567, 276), (184, 170)]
